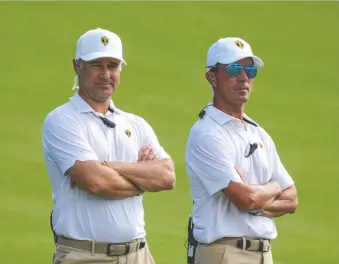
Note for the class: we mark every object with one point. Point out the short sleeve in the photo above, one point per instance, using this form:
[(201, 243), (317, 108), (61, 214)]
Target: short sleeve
[(63, 138), (209, 159), (149, 138), (279, 173)]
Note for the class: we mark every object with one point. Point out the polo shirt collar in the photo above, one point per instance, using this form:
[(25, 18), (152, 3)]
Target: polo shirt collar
[(222, 118), (83, 107)]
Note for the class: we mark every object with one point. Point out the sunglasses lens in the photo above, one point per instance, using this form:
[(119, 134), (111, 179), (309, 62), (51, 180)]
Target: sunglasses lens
[(234, 69), (251, 71)]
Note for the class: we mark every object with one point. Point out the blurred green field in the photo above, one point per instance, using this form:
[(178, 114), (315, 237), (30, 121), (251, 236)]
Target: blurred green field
[(296, 98)]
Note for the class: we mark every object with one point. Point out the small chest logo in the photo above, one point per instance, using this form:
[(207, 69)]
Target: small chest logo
[(128, 133)]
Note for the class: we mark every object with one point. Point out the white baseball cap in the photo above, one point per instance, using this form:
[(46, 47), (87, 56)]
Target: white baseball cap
[(99, 43), (229, 50)]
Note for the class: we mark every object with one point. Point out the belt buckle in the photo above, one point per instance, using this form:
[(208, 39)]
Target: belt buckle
[(240, 244), (110, 250)]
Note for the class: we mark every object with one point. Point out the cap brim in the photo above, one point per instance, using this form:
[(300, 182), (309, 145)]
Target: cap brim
[(98, 55), (257, 61)]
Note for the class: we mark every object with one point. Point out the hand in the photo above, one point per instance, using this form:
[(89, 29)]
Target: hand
[(240, 174), (147, 153)]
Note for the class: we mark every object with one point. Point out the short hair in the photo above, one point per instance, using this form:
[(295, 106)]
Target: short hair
[(215, 68)]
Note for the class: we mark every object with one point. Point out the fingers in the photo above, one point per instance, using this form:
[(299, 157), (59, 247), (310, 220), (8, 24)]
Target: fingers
[(147, 153), (238, 171), (152, 155), (140, 154), (240, 174), (143, 154)]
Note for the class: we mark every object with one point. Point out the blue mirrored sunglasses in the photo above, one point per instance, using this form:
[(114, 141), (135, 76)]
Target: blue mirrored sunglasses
[(234, 70)]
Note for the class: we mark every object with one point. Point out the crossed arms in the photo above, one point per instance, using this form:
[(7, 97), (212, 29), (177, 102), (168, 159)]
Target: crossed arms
[(209, 159), (285, 203), (269, 198), (66, 143), (122, 179)]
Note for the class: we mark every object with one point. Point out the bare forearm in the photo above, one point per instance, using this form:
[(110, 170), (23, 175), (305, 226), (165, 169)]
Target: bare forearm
[(101, 180), (281, 206), (117, 187), (261, 195), (287, 202), (152, 176)]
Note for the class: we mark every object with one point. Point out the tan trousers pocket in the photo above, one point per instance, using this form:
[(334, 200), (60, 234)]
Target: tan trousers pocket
[(224, 254), (143, 256), (210, 254), (60, 254), (267, 258)]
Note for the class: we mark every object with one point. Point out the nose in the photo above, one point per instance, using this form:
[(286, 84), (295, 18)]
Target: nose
[(242, 75), (106, 73)]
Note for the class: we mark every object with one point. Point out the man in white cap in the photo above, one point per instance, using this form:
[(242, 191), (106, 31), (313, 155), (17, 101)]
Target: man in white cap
[(100, 160), (237, 181)]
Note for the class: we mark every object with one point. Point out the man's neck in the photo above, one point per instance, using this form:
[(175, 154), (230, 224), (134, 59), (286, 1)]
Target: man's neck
[(234, 110), (97, 106)]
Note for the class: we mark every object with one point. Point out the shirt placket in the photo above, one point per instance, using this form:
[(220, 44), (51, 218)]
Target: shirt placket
[(111, 135), (246, 135)]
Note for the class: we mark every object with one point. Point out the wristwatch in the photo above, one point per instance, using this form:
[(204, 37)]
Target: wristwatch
[(258, 213)]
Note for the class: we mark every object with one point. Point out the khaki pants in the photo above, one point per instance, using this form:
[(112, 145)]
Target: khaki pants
[(225, 254), (71, 255)]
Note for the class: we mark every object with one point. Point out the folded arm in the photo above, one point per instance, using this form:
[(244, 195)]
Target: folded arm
[(263, 197), (151, 176), (252, 197), (286, 203), (101, 180), (154, 171)]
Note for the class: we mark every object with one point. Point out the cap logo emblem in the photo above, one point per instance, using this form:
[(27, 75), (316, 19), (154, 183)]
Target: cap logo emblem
[(104, 40), (239, 44)]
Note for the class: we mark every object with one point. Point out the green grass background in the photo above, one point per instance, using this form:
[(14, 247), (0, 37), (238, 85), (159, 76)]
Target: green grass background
[(295, 99)]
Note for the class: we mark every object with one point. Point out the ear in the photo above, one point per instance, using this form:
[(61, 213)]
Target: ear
[(211, 78), (76, 66)]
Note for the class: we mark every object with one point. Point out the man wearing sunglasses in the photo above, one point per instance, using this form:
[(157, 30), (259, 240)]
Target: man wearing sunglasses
[(237, 181)]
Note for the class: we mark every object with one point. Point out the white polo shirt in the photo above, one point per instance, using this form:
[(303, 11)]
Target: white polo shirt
[(73, 132), (216, 145)]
